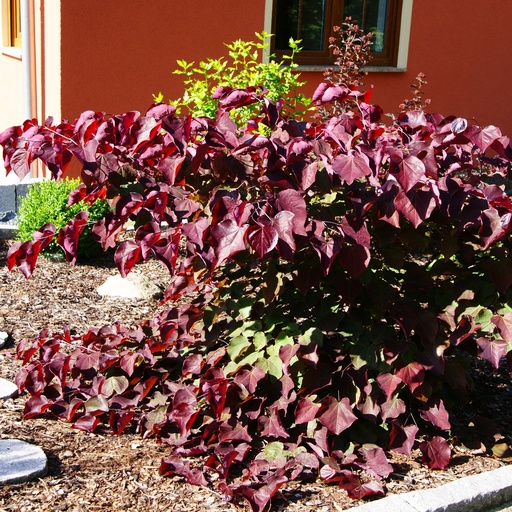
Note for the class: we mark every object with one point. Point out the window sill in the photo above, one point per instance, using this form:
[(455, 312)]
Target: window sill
[(11, 51), (384, 69), (370, 69)]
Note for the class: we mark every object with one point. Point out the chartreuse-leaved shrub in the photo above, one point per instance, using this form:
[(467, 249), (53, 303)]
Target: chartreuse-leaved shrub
[(336, 273), (210, 80), (47, 202)]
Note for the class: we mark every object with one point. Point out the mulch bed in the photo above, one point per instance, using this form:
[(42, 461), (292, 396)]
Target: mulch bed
[(95, 472)]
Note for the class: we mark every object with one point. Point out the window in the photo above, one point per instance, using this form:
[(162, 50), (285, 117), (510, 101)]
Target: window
[(312, 22), (15, 18), (11, 23)]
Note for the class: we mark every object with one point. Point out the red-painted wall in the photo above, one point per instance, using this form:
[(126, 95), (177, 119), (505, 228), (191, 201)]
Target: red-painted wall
[(115, 54), (465, 50)]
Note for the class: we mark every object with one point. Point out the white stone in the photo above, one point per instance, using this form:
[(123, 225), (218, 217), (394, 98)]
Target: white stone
[(20, 461), (3, 338), (133, 286), (7, 389)]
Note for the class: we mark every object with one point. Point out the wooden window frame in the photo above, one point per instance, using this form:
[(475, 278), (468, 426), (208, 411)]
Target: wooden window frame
[(334, 16), (13, 24)]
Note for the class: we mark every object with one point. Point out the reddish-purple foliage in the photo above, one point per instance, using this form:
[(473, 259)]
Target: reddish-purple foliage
[(334, 273)]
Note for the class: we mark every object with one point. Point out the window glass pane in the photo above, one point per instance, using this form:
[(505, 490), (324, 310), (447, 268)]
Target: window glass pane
[(371, 16), (300, 19)]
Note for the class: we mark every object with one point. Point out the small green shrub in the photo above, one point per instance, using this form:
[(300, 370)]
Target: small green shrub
[(47, 201)]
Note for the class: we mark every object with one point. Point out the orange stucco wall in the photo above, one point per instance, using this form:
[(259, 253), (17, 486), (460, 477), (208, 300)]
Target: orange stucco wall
[(116, 54), (464, 47), (113, 55)]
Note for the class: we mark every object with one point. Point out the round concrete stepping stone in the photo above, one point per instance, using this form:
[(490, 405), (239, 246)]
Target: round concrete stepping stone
[(7, 389), (20, 461)]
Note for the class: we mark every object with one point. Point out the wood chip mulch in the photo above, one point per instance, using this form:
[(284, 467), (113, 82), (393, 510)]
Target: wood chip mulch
[(90, 472)]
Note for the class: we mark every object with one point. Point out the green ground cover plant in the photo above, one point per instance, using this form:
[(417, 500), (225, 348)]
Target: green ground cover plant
[(47, 202), (338, 275)]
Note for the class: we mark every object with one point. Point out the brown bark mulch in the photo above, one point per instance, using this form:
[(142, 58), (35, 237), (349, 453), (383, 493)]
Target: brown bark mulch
[(94, 472)]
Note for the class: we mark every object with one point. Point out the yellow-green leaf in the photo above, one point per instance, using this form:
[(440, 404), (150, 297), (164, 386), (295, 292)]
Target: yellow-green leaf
[(237, 346)]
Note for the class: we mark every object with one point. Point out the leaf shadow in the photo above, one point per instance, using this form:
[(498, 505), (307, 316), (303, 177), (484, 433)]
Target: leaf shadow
[(55, 467), (285, 498)]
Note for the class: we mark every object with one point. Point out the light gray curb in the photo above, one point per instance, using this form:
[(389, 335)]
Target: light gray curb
[(7, 231), (20, 461), (470, 494)]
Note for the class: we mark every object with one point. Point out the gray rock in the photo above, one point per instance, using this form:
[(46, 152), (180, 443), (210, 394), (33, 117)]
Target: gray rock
[(7, 216), (20, 461), (8, 198), (7, 389), (21, 192), (133, 286)]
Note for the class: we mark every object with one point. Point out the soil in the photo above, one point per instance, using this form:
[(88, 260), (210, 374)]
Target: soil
[(94, 472)]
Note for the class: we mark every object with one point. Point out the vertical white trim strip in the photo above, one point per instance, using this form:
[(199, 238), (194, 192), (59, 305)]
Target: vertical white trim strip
[(267, 25), (26, 59), (405, 32)]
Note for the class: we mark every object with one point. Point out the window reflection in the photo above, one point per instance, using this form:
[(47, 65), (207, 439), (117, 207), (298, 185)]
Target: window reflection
[(371, 16), (300, 19)]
